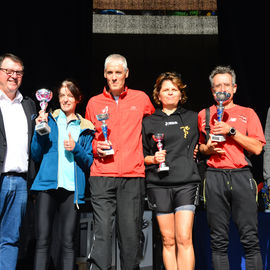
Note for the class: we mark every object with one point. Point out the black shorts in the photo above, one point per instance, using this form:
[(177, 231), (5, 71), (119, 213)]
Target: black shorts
[(169, 200)]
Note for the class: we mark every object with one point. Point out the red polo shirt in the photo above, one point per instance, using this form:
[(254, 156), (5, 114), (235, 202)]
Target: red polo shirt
[(243, 119)]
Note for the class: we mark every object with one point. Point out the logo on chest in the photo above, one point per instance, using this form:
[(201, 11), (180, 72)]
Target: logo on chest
[(185, 130), (171, 123)]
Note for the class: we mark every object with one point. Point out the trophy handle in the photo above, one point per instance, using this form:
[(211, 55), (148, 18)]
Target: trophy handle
[(159, 145), (43, 105), (220, 112), (104, 128), (158, 138)]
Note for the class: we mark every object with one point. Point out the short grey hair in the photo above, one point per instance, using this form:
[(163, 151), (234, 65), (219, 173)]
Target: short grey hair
[(116, 57), (222, 70)]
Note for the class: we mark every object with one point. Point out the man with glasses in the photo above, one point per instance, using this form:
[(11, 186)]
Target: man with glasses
[(16, 128), (230, 189), (117, 180)]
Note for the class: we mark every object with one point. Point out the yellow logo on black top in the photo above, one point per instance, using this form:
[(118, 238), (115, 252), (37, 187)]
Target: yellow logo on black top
[(185, 129)]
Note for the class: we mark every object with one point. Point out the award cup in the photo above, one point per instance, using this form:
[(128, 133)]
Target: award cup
[(221, 97), (43, 96), (158, 137), (103, 117), (266, 197)]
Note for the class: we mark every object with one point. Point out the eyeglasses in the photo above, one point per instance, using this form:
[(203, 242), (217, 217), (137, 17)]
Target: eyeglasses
[(10, 72)]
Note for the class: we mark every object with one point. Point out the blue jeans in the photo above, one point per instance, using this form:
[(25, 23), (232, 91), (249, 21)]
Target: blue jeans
[(13, 199)]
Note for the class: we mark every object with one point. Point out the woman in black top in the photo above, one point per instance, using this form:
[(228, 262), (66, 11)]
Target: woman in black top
[(172, 193)]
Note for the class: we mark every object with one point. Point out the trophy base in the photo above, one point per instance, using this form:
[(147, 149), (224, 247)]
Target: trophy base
[(42, 128), (267, 210), (163, 169), (109, 152), (218, 138)]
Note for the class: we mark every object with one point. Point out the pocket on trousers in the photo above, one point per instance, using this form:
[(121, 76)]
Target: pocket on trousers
[(253, 185)]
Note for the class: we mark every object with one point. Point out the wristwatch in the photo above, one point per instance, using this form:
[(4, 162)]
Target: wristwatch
[(232, 131)]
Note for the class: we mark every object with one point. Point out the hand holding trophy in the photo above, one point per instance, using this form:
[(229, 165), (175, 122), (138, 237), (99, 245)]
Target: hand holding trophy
[(103, 117), (43, 96), (159, 137), (220, 97)]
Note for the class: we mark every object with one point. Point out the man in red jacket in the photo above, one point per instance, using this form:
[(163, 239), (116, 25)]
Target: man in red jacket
[(117, 180)]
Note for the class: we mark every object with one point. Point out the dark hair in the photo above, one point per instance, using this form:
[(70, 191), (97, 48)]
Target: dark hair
[(13, 57), (175, 78), (73, 88)]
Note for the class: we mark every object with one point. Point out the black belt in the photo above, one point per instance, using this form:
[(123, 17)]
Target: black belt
[(23, 175)]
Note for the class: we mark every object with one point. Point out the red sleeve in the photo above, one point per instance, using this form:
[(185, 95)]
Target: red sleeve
[(201, 126), (254, 127), (148, 108)]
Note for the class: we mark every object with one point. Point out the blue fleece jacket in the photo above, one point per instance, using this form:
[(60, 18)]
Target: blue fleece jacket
[(44, 149)]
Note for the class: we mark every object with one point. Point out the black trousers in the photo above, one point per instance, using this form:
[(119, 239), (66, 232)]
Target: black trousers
[(232, 193), (122, 199), (49, 204)]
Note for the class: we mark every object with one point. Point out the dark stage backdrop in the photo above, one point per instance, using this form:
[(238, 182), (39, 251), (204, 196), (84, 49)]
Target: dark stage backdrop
[(53, 38), (56, 42), (242, 44), (193, 56)]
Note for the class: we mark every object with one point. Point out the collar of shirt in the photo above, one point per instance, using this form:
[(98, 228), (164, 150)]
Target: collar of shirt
[(62, 117), (109, 95), (18, 97)]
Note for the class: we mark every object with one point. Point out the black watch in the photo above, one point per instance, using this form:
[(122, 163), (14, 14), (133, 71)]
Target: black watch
[(232, 132)]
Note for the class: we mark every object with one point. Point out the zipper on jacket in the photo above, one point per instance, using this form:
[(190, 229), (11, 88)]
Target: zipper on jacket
[(75, 169), (75, 175), (117, 104), (57, 149), (76, 180), (76, 184)]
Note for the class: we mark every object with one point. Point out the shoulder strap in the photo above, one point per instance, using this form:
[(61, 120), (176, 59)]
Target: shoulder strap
[(207, 123)]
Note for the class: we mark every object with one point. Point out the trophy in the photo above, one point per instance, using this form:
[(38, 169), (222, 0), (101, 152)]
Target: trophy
[(266, 197), (43, 96), (158, 137), (102, 117), (221, 97)]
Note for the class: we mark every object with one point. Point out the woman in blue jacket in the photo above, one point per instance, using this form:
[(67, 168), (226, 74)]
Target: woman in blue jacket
[(65, 156)]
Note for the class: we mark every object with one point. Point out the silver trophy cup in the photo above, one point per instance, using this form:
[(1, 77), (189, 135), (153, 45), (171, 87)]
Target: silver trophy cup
[(221, 97), (103, 117), (159, 137), (43, 96)]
